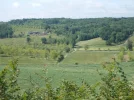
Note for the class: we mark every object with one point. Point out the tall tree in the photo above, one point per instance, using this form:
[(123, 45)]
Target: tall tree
[(129, 45), (28, 39), (5, 31)]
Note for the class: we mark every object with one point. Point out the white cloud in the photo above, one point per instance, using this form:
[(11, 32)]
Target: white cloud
[(72, 8), (16, 4), (36, 4)]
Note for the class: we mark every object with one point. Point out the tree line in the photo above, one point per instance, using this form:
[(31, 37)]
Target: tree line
[(113, 30)]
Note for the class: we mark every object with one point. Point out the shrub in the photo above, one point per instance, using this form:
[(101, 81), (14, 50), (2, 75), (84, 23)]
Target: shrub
[(44, 40), (28, 39), (67, 49), (86, 47), (60, 58), (76, 63)]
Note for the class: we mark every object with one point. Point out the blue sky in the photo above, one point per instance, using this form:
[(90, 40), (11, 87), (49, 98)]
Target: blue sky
[(18, 9)]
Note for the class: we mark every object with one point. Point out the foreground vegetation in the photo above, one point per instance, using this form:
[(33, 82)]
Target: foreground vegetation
[(113, 85)]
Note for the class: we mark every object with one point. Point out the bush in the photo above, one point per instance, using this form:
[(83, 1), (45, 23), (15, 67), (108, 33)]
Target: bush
[(44, 40), (86, 47), (28, 39), (76, 63), (60, 58), (67, 49)]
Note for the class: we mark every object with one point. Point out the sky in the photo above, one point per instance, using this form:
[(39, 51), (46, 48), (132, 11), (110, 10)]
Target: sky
[(19, 9)]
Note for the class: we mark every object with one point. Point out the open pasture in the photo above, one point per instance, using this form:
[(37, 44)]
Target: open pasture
[(88, 57), (76, 73), (97, 44)]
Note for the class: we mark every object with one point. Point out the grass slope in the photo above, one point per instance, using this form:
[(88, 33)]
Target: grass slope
[(86, 57), (57, 73), (93, 42), (96, 44)]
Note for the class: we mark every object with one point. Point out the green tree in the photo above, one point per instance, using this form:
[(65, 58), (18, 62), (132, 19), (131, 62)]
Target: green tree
[(28, 39), (60, 58), (108, 42), (8, 81), (129, 45), (5, 31), (44, 40), (67, 49)]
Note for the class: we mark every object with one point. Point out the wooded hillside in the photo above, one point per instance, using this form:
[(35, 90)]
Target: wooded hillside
[(113, 30)]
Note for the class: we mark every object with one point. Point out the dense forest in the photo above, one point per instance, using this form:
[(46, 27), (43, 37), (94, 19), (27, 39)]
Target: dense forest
[(113, 30)]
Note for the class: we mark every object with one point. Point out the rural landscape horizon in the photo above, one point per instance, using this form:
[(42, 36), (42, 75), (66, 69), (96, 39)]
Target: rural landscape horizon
[(67, 50)]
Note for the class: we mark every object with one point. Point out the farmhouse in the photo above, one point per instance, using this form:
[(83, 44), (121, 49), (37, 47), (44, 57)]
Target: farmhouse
[(34, 33)]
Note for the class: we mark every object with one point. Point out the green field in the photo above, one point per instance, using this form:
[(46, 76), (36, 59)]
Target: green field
[(93, 42), (76, 73), (77, 65), (88, 62), (97, 44), (88, 57)]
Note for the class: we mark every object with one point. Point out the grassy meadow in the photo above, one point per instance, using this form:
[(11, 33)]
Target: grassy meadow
[(77, 65), (37, 72), (97, 44), (89, 57)]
